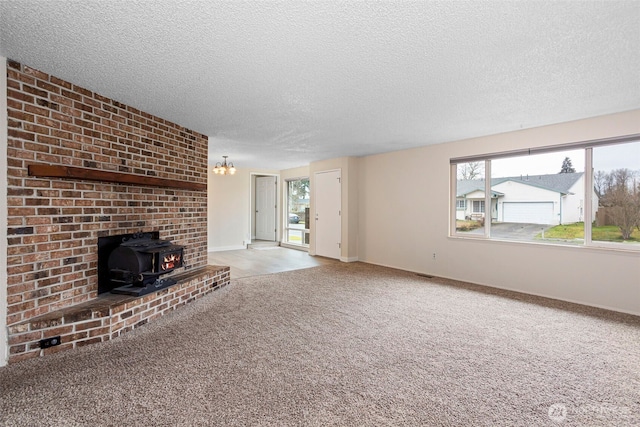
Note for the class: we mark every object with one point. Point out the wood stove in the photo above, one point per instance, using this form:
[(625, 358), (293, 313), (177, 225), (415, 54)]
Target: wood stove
[(133, 264)]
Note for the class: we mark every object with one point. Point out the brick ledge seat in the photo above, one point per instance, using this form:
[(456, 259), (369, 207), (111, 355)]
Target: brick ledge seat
[(110, 315)]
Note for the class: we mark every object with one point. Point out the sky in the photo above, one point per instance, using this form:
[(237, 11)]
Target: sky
[(605, 158)]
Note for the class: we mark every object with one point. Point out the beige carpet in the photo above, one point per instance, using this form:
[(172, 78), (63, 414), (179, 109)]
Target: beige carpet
[(346, 345)]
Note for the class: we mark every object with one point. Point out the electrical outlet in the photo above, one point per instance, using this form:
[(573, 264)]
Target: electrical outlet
[(434, 255), (50, 342)]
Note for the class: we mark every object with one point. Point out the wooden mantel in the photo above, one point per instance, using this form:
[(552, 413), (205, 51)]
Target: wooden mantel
[(60, 171)]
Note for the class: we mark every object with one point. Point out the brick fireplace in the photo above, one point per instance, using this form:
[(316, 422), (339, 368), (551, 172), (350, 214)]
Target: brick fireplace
[(124, 171)]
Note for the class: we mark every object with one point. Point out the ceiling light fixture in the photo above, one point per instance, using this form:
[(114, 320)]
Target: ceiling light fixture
[(224, 168)]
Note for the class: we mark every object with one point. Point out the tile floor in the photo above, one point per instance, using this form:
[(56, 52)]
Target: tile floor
[(265, 260)]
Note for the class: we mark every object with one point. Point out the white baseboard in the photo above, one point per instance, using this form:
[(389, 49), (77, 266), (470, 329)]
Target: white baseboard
[(226, 248), (349, 259)]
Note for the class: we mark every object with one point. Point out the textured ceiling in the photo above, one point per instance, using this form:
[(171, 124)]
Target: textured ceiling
[(283, 83)]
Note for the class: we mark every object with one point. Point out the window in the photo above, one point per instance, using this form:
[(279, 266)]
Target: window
[(616, 181), (576, 194), (297, 228), (470, 179), (538, 196)]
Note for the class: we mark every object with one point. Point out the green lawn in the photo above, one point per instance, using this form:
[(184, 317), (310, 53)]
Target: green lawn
[(608, 233), (295, 235)]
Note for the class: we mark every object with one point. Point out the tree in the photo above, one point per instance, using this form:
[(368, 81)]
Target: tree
[(601, 182), (298, 192), (470, 170), (621, 196), (567, 167)]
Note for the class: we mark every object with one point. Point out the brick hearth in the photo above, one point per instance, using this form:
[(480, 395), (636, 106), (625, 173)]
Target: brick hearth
[(54, 223), (110, 315)]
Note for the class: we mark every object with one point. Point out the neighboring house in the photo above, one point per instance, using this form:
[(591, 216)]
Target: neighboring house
[(470, 202), (538, 199)]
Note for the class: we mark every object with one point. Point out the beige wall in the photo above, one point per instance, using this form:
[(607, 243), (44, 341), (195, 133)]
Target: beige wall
[(404, 220), (301, 172), (230, 198), (401, 219), (230, 207)]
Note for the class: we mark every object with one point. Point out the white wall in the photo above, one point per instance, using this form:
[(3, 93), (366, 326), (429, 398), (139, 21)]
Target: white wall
[(404, 220), (4, 347), (573, 206), (229, 209), (578, 204)]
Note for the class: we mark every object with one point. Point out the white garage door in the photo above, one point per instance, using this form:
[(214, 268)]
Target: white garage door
[(527, 212)]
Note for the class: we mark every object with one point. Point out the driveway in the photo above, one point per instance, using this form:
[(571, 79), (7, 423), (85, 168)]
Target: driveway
[(514, 230)]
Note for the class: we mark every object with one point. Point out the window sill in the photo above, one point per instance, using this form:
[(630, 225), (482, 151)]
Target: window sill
[(600, 247), (298, 247)]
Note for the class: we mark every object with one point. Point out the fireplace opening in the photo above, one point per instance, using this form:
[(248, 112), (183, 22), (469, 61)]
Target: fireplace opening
[(133, 264)]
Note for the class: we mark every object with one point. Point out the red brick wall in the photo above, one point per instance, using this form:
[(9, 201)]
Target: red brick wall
[(54, 224), (103, 319)]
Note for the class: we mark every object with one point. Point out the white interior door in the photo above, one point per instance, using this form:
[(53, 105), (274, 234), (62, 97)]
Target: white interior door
[(266, 208), (328, 196)]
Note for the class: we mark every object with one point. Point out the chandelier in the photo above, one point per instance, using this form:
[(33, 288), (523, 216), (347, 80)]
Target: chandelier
[(224, 168)]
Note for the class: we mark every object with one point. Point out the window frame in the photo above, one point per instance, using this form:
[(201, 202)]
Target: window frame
[(304, 232), (587, 146)]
